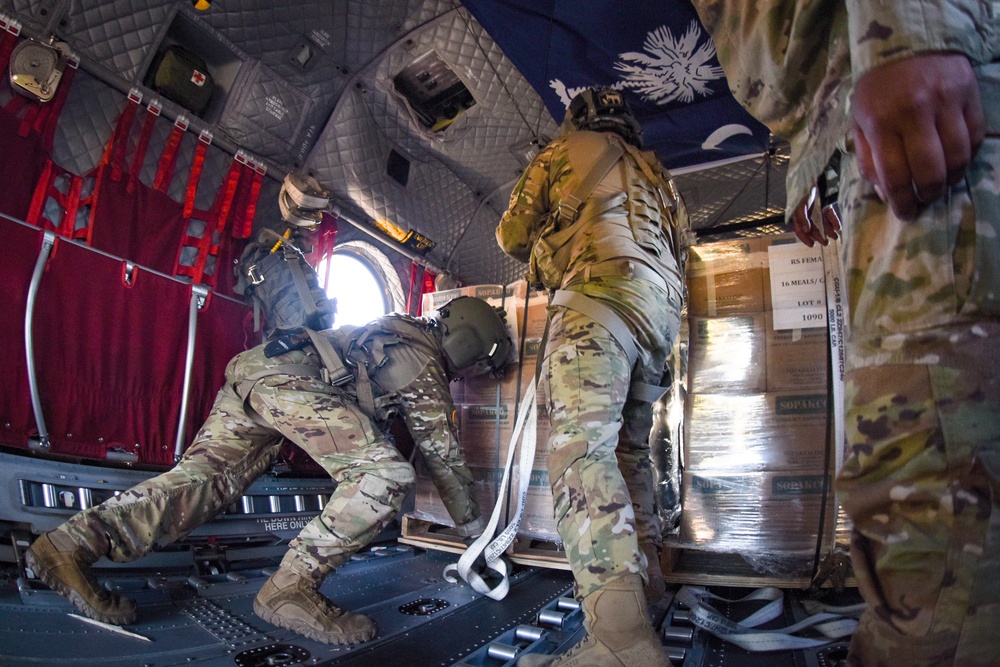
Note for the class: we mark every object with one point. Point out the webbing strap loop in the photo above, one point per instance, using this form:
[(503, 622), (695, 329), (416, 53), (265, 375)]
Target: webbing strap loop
[(493, 549), (601, 314)]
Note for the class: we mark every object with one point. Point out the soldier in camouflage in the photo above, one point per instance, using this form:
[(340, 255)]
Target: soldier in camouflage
[(296, 395), (597, 221), (918, 82)]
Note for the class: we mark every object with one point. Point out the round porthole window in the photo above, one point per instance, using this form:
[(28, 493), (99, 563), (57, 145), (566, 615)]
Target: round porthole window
[(362, 283)]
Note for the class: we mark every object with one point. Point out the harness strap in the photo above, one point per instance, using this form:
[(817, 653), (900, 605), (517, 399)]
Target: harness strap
[(610, 320), (601, 314), (292, 257), (572, 201), (623, 268), (334, 370)]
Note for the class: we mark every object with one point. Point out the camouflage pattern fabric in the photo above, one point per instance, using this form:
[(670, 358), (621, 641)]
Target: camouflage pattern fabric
[(922, 478), (244, 432), (921, 481), (638, 228), (599, 465)]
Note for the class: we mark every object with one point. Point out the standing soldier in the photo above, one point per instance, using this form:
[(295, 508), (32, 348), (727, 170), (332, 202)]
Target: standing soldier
[(599, 223), (324, 392), (919, 83)]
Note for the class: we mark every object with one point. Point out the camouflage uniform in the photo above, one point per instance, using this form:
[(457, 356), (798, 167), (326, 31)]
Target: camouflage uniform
[(265, 401), (599, 428), (921, 481)]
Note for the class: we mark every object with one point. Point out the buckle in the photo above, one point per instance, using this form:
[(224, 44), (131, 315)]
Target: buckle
[(564, 206), (255, 276)]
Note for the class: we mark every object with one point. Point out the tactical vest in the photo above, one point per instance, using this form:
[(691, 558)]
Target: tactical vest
[(356, 359), (630, 230)]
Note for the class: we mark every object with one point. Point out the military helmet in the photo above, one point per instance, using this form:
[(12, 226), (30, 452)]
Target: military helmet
[(603, 110), (473, 335)]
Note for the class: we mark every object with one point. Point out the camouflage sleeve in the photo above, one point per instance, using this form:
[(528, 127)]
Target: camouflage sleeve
[(882, 32), (529, 202), (429, 414)]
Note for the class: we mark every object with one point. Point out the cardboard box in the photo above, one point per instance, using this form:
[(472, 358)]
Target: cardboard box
[(755, 432), (797, 359), (727, 354), (728, 277), (754, 513), (427, 501)]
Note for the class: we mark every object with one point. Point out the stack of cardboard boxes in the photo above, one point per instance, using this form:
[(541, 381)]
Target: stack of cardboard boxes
[(756, 415), (487, 409)]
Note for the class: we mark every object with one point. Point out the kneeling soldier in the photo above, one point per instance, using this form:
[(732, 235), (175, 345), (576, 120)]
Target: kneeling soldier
[(325, 392)]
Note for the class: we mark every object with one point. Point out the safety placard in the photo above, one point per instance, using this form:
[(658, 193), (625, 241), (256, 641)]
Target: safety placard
[(798, 286)]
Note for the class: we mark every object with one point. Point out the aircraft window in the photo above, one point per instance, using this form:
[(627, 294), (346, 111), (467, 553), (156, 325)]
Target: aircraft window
[(362, 281)]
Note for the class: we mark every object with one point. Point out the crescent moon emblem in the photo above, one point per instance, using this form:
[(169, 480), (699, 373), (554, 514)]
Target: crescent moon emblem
[(715, 139)]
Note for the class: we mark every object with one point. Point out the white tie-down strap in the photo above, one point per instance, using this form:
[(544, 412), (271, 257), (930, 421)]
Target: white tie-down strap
[(527, 420), (832, 624)]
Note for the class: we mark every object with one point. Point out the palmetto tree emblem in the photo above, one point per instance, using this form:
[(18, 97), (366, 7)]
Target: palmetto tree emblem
[(670, 68)]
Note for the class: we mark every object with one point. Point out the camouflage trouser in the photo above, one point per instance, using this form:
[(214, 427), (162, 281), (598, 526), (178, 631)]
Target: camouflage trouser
[(232, 449), (599, 465), (921, 481)]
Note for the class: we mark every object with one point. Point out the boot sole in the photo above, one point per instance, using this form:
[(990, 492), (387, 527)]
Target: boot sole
[(73, 595), (300, 627)]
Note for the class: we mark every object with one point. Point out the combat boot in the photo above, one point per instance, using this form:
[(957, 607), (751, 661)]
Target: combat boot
[(291, 601), (618, 632), (65, 568)]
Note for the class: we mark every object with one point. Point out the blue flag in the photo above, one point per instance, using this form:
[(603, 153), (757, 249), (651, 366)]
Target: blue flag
[(656, 53)]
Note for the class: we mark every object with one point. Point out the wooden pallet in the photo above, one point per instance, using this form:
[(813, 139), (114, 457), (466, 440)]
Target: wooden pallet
[(680, 566), (430, 535), (524, 551)]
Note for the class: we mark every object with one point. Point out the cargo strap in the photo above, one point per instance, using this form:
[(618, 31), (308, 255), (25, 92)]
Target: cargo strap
[(611, 321), (834, 623), (525, 429)]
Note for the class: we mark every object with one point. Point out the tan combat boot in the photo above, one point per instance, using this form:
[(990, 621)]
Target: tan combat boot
[(291, 601), (618, 631), (62, 565)]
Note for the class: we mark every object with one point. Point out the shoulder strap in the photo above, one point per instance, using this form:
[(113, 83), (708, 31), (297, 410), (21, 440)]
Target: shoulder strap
[(569, 205)]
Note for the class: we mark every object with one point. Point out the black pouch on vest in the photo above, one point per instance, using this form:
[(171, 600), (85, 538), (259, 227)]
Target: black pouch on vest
[(182, 77)]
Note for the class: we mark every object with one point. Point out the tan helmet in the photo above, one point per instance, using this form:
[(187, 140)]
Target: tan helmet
[(473, 336), (603, 110)]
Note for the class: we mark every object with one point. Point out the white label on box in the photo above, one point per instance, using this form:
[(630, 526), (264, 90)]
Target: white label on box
[(798, 286)]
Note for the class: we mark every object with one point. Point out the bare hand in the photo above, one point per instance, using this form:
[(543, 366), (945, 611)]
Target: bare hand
[(809, 233), (917, 124)]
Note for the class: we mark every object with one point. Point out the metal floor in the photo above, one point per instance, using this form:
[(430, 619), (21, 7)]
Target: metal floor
[(423, 621)]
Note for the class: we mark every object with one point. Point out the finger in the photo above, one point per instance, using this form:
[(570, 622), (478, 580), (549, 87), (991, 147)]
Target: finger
[(864, 154), (801, 225), (831, 222), (893, 173), (975, 119), (925, 157), (956, 141)]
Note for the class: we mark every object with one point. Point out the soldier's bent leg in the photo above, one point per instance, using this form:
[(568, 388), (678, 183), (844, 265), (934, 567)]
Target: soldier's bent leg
[(588, 378), (922, 485), (372, 481), (229, 452), (636, 468)]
